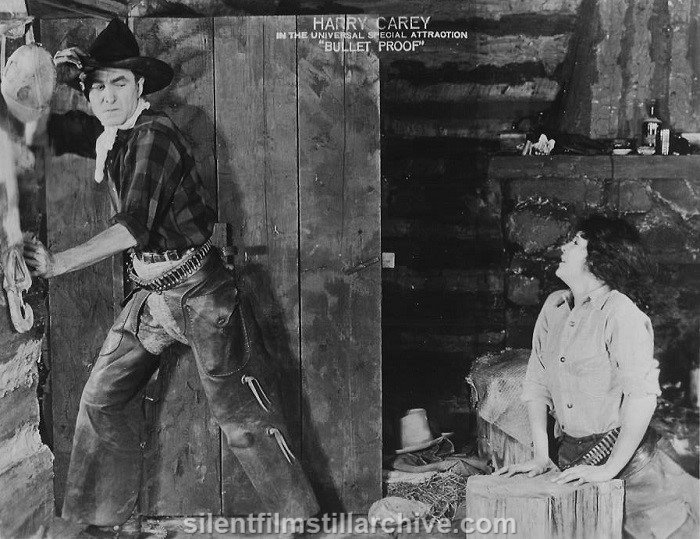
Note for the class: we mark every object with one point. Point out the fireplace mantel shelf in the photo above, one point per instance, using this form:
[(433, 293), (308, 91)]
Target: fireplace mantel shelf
[(597, 166)]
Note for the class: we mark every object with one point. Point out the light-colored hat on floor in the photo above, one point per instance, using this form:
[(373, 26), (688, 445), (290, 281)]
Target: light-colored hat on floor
[(415, 432)]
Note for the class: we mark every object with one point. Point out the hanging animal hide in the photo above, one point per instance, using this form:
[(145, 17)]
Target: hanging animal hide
[(16, 278)]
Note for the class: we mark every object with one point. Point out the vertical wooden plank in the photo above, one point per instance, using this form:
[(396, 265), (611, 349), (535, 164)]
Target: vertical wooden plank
[(238, 63), (181, 465), (361, 245), (339, 268), (277, 286), (257, 169), (81, 303), (321, 175), (274, 282)]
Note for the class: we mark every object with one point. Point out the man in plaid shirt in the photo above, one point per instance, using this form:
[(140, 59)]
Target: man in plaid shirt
[(164, 215), (140, 170)]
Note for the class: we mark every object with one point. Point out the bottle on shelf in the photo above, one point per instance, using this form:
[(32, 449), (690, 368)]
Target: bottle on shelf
[(651, 126)]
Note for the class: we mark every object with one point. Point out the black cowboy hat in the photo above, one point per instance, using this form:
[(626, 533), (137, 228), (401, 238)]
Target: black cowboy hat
[(116, 47)]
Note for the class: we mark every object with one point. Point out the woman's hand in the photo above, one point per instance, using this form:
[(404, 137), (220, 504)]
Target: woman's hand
[(531, 468), (584, 474)]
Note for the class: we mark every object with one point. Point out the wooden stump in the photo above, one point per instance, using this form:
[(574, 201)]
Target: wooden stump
[(542, 509)]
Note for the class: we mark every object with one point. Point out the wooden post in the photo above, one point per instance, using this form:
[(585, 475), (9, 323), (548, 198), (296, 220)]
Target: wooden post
[(540, 508)]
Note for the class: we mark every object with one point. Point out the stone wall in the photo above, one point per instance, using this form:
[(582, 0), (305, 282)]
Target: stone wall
[(543, 196)]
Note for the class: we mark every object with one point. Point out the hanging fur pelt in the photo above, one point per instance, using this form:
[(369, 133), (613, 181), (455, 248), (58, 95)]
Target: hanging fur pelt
[(16, 278)]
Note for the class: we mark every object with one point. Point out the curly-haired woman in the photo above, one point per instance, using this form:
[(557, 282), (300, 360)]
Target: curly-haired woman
[(592, 365)]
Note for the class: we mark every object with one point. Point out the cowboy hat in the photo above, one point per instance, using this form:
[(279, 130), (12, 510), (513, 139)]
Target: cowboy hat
[(415, 432), (116, 47)]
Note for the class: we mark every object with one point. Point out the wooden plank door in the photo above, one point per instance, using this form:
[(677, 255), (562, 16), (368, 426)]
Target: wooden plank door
[(299, 179), (290, 135)]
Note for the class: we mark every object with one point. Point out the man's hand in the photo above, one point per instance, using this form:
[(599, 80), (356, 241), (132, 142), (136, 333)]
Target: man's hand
[(41, 262), (584, 474), (44, 263), (531, 468)]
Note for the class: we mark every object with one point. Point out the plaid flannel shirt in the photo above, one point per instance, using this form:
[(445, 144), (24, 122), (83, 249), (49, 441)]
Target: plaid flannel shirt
[(160, 197)]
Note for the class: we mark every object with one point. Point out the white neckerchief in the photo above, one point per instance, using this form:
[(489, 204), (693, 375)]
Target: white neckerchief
[(106, 140)]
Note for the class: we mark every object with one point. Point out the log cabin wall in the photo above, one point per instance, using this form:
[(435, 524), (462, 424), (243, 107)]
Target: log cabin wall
[(26, 462), (439, 216), (625, 53)]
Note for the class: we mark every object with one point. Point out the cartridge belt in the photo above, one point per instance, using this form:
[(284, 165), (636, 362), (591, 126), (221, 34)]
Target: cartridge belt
[(600, 446), (596, 454), (175, 276), (166, 256)]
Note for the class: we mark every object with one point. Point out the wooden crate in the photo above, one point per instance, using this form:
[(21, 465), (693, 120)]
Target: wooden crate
[(542, 509)]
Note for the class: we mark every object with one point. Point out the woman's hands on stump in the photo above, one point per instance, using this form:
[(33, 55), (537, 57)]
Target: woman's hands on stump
[(578, 475), (532, 468), (584, 474)]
